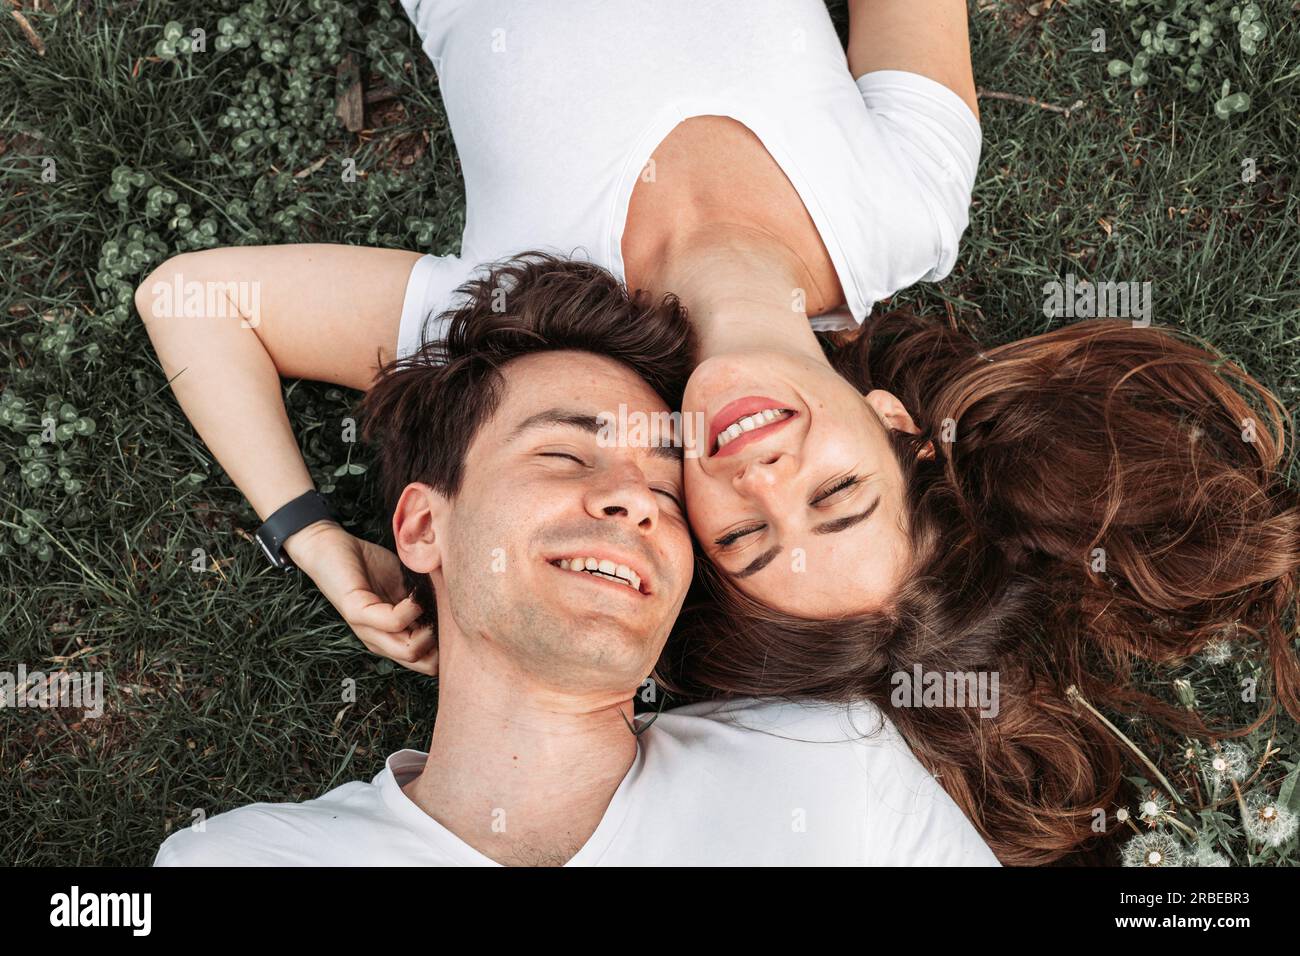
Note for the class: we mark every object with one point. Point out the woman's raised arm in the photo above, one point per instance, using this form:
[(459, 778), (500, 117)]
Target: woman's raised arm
[(929, 37)]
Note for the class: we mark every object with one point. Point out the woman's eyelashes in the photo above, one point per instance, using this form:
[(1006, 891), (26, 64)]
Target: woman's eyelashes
[(841, 484), (818, 500), (731, 537)]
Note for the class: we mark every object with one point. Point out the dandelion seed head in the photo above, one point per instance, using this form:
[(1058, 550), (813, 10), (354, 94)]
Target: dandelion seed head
[(1231, 762), (1217, 651), (1205, 856), (1266, 822), (1156, 848), (1153, 808)]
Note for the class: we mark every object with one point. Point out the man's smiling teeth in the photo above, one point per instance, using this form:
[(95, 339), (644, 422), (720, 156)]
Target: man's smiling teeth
[(604, 569), (749, 423)]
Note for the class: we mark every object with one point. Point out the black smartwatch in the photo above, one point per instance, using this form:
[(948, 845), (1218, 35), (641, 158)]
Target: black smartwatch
[(307, 508)]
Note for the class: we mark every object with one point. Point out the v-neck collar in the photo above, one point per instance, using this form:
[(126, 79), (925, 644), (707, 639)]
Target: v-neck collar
[(404, 765)]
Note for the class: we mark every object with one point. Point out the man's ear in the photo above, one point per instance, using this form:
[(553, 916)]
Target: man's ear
[(417, 521), (891, 411)]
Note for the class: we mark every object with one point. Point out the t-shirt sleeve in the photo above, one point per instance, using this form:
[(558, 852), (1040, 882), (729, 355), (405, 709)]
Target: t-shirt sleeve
[(911, 819), (936, 137), (430, 291), (315, 832), (230, 839)]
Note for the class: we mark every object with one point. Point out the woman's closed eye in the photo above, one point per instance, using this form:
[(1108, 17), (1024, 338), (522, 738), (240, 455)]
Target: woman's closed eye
[(841, 484), (819, 500), (731, 537)]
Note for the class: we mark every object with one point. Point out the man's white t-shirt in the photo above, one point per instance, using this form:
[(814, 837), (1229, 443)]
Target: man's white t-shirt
[(556, 107), (742, 782)]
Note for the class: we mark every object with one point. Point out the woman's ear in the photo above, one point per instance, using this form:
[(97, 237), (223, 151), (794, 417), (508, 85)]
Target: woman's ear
[(891, 411), (416, 523)]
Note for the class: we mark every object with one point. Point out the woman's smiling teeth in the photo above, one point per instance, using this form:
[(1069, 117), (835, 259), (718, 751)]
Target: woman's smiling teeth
[(747, 424), (602, 569)]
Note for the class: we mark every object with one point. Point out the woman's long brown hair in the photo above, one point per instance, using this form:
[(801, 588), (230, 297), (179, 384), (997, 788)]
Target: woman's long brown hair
[(1099, 495)]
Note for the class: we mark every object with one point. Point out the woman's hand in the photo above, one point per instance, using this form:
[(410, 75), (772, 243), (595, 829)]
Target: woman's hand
[(364, 583)]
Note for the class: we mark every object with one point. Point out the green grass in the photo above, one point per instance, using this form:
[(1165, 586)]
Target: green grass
[(225, 686)]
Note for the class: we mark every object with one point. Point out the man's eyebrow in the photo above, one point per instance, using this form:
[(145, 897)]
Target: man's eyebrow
[(843, 524), (759, 563), (558, 416), (670, 452), (591, 424)]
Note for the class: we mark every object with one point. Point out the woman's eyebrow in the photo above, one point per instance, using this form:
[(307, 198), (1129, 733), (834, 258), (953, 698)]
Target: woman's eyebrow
[(826, 527), (759, 563), (843, 524)]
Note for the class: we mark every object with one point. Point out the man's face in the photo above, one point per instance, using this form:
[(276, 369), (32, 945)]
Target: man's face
[(539, 493)]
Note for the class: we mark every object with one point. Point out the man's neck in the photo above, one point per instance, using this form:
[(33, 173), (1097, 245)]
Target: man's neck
[(520, 772)]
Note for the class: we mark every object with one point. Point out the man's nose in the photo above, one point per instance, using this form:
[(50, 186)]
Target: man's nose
[(624, 495)]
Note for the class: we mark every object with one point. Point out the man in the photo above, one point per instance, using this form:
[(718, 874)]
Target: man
[(556, 562)]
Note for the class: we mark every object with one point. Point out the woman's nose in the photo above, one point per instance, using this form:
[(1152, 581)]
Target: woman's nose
[(762, 472)]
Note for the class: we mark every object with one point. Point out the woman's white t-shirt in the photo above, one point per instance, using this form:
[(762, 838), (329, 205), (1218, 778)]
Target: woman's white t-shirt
[(743, 783), (556, 108)]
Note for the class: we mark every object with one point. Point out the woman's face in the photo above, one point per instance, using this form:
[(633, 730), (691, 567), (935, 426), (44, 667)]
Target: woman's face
[(797, 495)]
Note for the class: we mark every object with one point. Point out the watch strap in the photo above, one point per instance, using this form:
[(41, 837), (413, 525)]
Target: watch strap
[(307, 508)]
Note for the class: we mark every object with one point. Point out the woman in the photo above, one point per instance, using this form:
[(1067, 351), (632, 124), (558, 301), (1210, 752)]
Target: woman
[(1067, 507)]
